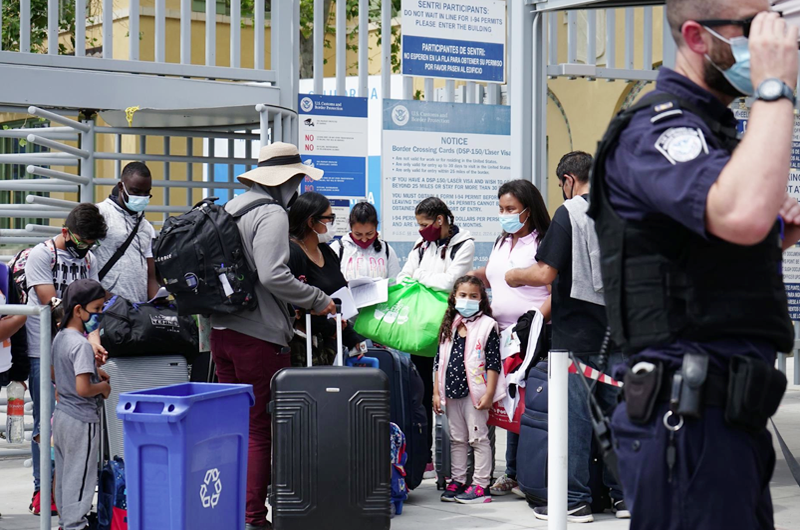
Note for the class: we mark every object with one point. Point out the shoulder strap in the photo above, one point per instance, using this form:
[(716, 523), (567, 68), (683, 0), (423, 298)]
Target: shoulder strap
[(341, 251), (386, 249), (455, 248), (252, 206), (120, 251), (794, 467), (54, 259)]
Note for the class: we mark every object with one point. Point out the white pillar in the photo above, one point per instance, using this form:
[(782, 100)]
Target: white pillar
[(521, 88), (557, 440)]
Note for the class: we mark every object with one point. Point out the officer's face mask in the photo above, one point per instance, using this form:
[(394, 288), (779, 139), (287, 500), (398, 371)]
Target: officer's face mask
[(738, 75)]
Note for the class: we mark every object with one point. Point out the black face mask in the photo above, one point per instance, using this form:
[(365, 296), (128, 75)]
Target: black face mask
[(75, 252), (564, 189)]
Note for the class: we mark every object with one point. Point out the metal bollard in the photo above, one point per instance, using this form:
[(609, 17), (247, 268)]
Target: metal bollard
[(557, 440)]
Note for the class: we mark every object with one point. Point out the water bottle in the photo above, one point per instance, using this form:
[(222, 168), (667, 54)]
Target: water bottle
[(15, 418)]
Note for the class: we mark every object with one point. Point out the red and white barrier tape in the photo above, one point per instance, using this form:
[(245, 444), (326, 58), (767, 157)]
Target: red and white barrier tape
[(591, 373)]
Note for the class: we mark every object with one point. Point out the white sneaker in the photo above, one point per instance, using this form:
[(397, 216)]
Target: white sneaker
[(621, 510), (518, 492)]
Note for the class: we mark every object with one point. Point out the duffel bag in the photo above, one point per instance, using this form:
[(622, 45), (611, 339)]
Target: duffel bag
[(151, 328)]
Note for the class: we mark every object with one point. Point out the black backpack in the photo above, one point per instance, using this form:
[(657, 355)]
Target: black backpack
[(200, 259)]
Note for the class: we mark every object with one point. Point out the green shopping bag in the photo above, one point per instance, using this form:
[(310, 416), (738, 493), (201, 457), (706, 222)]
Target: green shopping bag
[(409, 321)]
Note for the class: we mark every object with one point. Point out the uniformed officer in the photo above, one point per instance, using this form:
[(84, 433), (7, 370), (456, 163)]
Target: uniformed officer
[(691, 257)]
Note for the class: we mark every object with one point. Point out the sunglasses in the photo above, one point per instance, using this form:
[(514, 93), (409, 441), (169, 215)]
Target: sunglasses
[(744, 23), (80, 244)]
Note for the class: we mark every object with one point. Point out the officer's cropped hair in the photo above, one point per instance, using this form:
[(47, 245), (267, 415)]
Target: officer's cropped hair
[(135, 168), (577, 164), (681, 11), (86, 222)]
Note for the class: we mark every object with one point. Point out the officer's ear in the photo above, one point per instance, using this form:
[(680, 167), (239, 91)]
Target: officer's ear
[(695, 37)]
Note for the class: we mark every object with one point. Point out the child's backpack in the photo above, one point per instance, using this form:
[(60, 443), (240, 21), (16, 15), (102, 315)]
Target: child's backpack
[(399, 457), (112, 505), (200, 259), (17, 269)]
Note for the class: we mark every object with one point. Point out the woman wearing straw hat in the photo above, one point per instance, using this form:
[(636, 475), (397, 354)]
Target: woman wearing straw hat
[(249, 347)]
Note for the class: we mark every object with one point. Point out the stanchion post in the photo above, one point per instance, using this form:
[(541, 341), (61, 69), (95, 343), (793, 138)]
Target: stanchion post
[(557, 440), (45, 391)]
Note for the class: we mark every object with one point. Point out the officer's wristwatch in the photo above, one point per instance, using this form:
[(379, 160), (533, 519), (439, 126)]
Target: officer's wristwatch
[(774, 89)]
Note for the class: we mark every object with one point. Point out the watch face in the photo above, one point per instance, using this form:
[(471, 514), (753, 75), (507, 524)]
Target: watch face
[(770, 89)]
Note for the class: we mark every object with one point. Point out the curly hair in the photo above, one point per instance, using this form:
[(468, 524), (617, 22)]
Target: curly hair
[(446, 331)]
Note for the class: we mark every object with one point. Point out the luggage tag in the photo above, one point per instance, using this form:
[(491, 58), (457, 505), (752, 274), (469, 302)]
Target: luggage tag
[(223, 280)]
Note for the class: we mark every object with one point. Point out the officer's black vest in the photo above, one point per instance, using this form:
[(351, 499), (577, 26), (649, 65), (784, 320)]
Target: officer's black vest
[(663, 282)]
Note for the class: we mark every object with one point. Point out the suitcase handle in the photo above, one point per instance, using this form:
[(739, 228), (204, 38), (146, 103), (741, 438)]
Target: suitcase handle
[(309, 345)]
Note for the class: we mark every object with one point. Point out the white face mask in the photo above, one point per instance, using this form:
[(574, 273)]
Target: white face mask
[(328, 236)]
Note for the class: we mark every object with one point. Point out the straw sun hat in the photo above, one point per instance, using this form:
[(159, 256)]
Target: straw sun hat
[(277, 163)]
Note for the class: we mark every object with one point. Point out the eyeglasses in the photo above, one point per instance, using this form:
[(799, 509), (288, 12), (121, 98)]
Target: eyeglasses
[(81, 244), (331, 218)]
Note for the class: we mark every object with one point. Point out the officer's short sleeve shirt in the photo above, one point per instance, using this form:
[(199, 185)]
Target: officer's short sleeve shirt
[(666, 161)]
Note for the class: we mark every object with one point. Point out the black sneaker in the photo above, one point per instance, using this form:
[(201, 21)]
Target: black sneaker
[(580, 513), (452, 490), (621, 510)]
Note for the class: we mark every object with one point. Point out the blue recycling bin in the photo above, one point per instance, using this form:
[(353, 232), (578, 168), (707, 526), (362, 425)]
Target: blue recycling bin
[(186, 455)]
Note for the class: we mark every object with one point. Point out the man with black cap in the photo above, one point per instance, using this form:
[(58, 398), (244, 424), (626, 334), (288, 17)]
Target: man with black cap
[(249, 347), (81, 387)]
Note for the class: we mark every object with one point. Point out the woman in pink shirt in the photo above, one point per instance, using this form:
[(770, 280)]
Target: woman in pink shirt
[(525, 220)]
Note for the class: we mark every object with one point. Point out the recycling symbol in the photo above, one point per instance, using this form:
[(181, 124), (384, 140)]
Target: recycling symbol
[(211, 482)]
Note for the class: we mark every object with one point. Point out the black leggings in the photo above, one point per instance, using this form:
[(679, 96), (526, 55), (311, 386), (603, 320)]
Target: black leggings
[(425, 368)]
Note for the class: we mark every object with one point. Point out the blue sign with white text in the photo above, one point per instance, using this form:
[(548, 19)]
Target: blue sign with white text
[(333, 138)]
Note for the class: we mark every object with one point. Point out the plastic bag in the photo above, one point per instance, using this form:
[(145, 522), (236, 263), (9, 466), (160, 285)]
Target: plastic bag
[(409, 321)]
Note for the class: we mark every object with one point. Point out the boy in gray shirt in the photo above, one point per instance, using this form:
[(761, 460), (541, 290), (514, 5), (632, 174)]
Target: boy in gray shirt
[(81, 386)]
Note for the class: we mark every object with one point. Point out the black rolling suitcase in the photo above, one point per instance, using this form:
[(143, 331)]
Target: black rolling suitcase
[(331, 466), (407, 411)]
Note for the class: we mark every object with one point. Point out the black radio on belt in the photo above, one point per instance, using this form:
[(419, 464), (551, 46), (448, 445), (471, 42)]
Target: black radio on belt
[(693, 374)]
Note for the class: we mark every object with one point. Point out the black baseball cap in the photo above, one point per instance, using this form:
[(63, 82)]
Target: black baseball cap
[(80, 293)]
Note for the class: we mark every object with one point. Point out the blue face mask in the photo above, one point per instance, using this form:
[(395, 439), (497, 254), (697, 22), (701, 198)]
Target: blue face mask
[(511, 223), (135, 203), (93, 323), (467, 307), (738, 75)]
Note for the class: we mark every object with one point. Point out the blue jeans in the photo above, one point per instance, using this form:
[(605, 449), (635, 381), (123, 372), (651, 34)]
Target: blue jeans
[(581, 434), (512, 442), (33, 386)]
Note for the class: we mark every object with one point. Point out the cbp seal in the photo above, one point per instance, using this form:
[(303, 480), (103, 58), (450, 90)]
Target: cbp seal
[(681, 144)]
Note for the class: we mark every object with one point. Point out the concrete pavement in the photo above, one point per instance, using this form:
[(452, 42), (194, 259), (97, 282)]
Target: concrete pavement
[(424, 510)]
